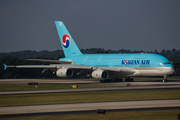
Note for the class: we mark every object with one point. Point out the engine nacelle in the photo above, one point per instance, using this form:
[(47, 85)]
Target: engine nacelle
[(99, 74), (64, 72)]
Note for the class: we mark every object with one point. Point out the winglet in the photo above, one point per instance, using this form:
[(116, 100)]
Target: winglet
[(5, 66)]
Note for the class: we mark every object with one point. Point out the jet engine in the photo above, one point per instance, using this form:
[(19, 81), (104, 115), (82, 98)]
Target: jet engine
[(64, 72), (100, 74)]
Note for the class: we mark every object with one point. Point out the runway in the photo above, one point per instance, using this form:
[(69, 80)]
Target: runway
[(124, 105), (82, 81), (87, 107), (88, 90)]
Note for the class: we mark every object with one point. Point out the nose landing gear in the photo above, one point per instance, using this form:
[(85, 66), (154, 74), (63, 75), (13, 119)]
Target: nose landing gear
[(165, 78)]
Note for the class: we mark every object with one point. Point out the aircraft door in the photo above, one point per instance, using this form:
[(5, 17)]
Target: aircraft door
[(110, 64), (156, 64), (91, 64), (85, 59), (99, 59)]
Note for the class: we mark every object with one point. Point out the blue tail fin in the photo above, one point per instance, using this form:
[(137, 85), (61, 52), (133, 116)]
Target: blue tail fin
[(69, 46)]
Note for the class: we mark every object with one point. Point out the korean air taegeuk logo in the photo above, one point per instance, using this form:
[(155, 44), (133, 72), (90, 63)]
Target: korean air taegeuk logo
[(66, 41)]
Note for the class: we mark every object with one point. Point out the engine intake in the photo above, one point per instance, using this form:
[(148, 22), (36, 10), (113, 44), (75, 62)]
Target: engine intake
[(100, 74), (64, 72)]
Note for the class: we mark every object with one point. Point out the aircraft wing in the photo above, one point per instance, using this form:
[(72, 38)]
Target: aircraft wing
[(120, 71), (51, 66), (111, 70), (52, 61), (29, 66)]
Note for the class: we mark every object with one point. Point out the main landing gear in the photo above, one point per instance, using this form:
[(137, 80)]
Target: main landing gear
[(111, 80), (116, 80), (129, 79), (165, 78)]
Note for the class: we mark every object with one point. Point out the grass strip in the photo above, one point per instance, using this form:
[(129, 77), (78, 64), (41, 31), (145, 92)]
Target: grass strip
[(24, 87), (140, 115), (96, 96)]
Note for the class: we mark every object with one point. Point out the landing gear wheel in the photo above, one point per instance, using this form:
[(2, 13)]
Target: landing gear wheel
[(165, 80)]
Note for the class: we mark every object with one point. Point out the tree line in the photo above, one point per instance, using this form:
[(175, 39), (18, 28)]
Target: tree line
[(18, 58)]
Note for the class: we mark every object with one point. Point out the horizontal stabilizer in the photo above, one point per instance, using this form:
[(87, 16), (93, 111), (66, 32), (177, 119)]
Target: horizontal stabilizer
[(51, 61), (5, 66)]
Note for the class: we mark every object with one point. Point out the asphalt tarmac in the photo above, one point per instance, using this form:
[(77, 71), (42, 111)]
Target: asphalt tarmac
[(85, 107), (74, 107)]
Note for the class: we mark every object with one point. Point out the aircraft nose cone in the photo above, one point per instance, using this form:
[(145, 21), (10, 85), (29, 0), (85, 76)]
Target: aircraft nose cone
[(172, 70), (175, 70)]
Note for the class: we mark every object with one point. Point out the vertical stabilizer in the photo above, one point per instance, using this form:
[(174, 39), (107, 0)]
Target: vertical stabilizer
[(69, 46)]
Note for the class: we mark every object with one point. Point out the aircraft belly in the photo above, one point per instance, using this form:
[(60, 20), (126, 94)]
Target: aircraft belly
[(156, 71)]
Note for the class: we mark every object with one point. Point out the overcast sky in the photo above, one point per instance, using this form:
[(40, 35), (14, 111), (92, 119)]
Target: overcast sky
[(108, 24)]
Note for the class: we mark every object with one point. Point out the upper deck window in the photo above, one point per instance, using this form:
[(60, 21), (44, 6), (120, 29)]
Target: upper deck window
[(166, 63)]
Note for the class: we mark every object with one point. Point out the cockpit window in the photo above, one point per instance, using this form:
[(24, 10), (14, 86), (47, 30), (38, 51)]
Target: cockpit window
[(166, 63)]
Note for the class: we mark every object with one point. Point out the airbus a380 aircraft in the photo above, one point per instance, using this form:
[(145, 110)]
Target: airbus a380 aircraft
[(102, 66)]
